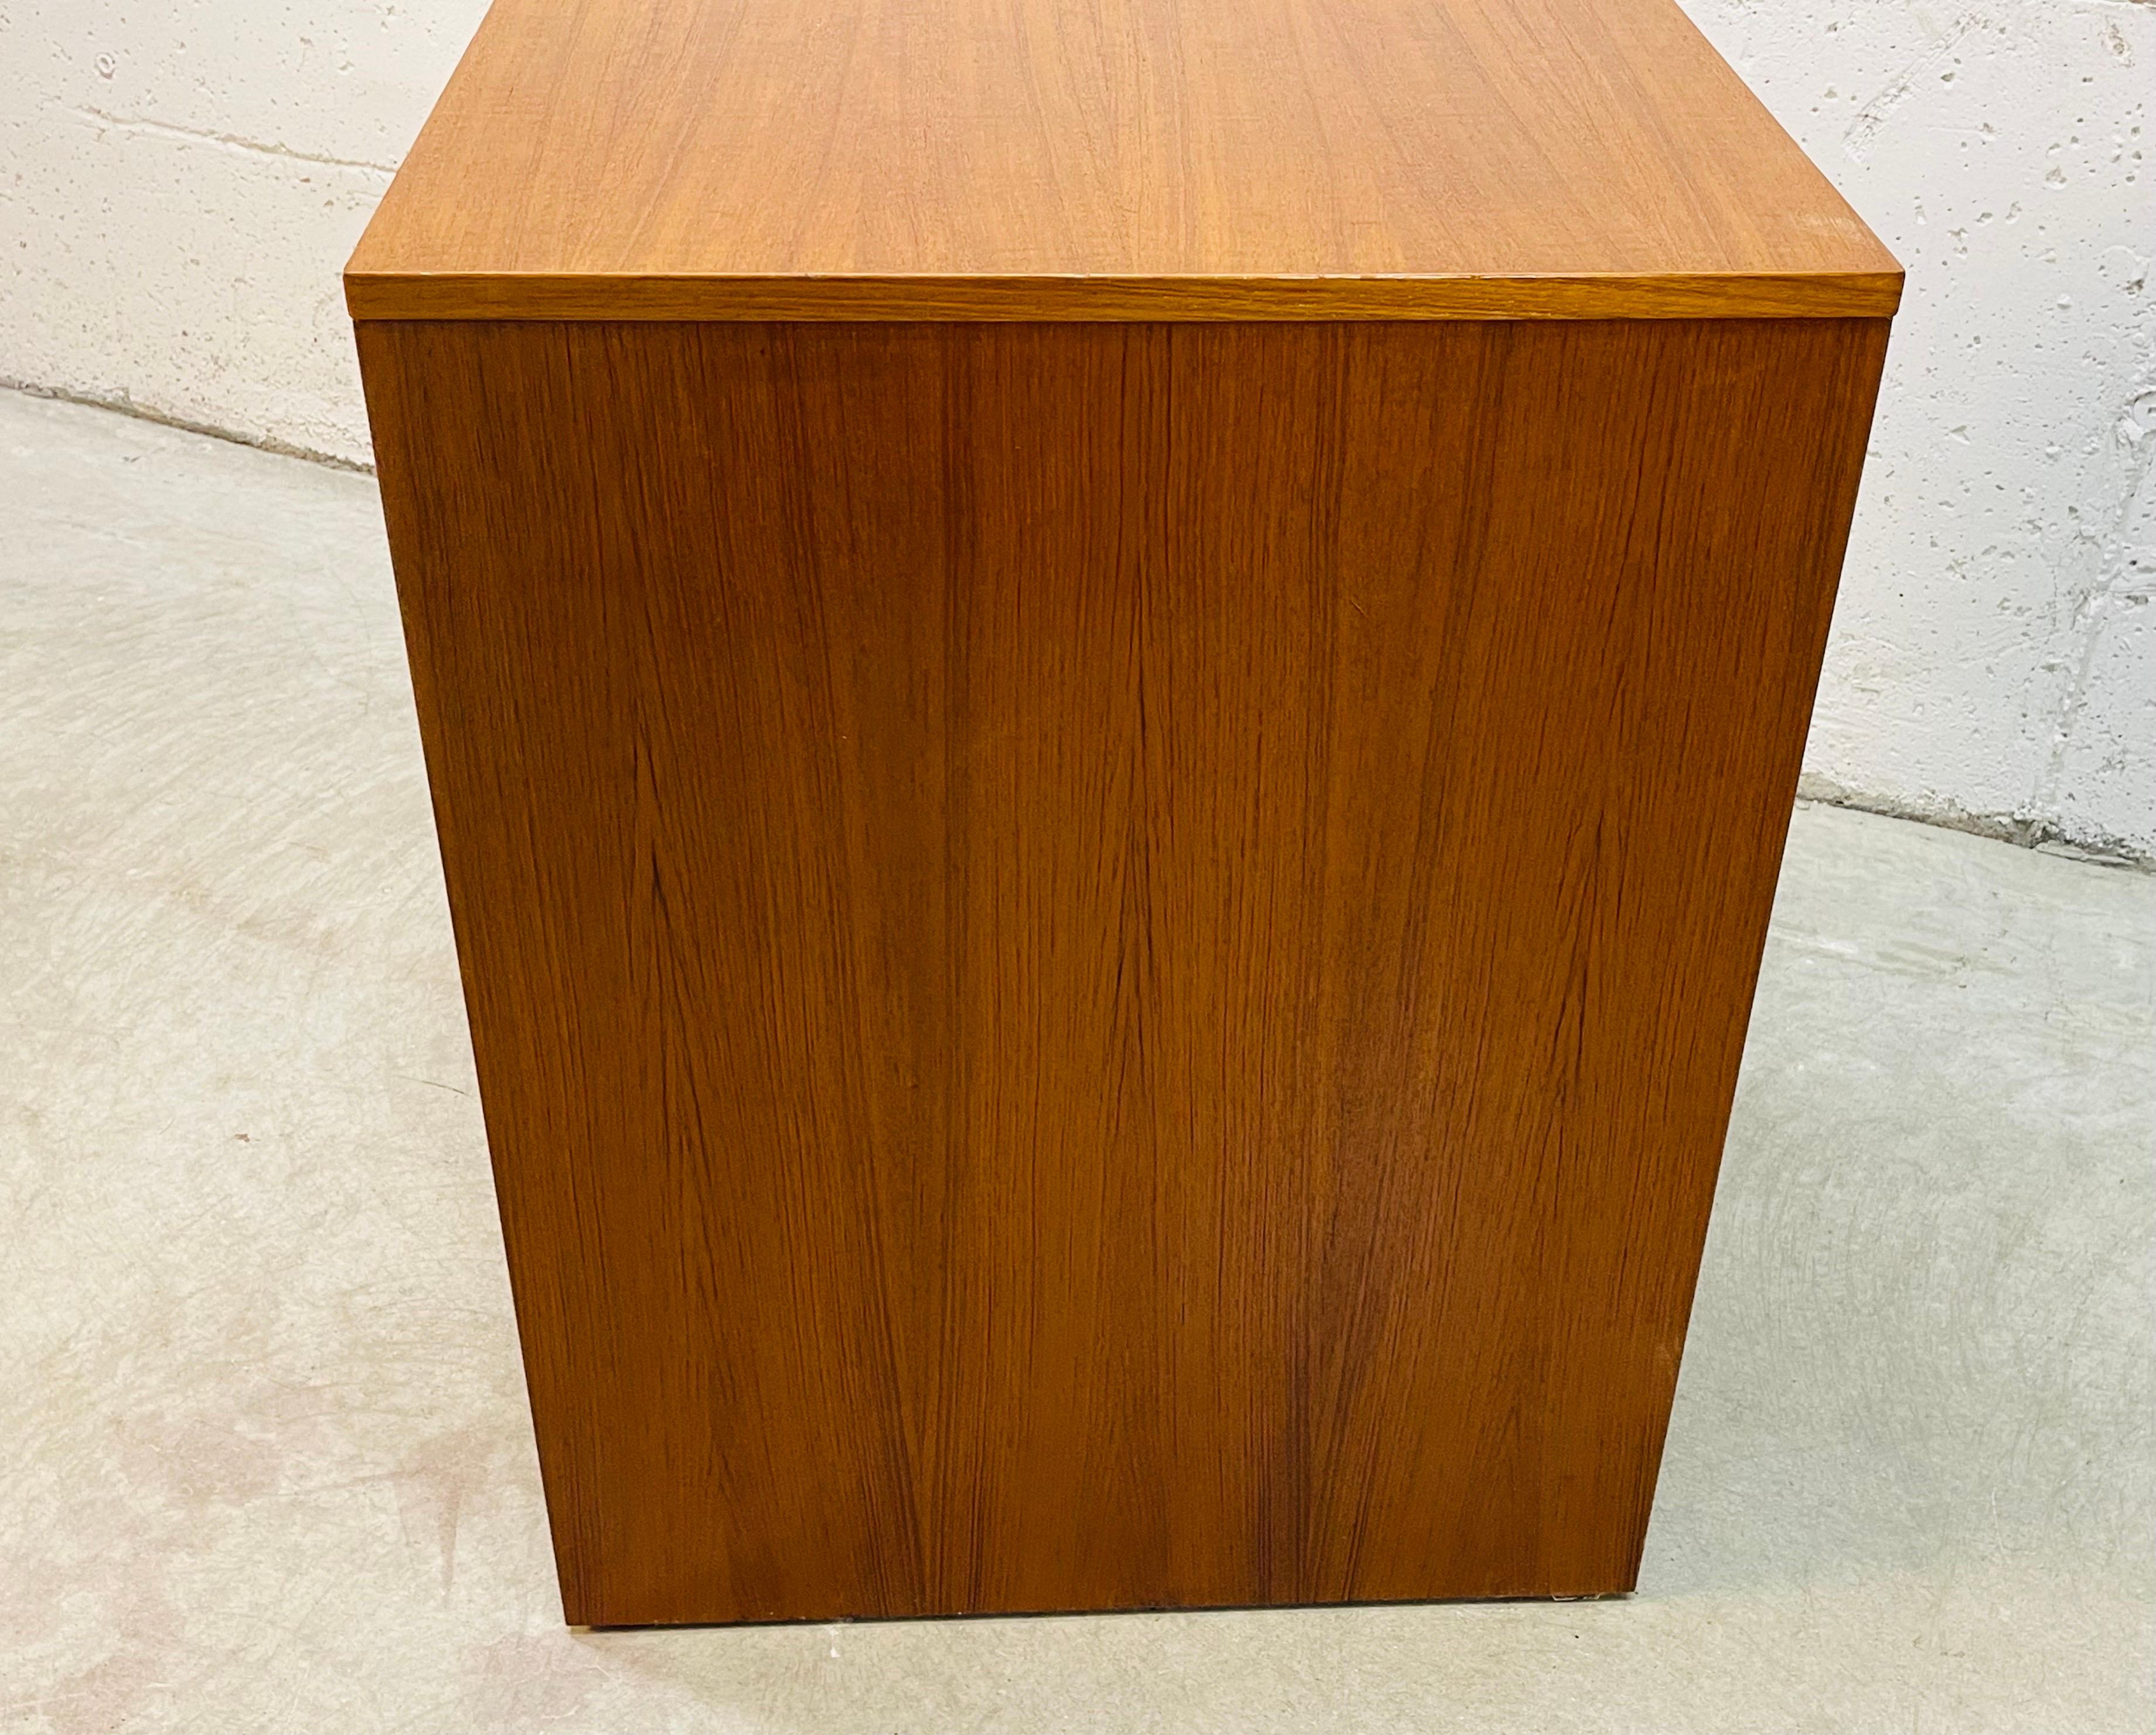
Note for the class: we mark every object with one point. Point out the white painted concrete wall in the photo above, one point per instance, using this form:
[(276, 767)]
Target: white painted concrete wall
[(179, 185), (1995, 652), (180, 182)]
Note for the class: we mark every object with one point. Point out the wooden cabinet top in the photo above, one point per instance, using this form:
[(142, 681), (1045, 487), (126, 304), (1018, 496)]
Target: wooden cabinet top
[(1106, 160)]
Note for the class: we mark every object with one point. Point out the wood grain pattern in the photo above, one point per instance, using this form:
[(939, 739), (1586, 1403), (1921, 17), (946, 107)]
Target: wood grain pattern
[(1108, 961), (1143, 160), (1088, 300)]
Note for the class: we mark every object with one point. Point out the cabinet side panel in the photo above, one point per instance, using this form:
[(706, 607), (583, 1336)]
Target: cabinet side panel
[(1107, 961), (1571, 656)]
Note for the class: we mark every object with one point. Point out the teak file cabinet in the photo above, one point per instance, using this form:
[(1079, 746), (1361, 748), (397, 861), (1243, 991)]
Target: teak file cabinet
[(1112, 689)]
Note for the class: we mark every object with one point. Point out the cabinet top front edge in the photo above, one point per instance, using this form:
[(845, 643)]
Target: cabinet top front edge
[(1109, 160)]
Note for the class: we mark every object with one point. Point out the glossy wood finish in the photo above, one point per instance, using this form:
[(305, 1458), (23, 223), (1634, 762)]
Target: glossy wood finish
[(1138, 160), (1107, 960)]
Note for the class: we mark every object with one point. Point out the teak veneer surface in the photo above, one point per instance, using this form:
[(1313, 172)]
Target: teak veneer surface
[(1107, 961), (1106, 160)]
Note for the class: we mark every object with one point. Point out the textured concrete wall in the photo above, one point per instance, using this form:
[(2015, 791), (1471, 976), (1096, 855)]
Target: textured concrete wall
[(180, 181), (1994, 653), (178, 186)]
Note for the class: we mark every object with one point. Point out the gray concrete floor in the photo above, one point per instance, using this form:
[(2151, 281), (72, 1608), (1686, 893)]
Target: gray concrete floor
[(263, 1458)]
